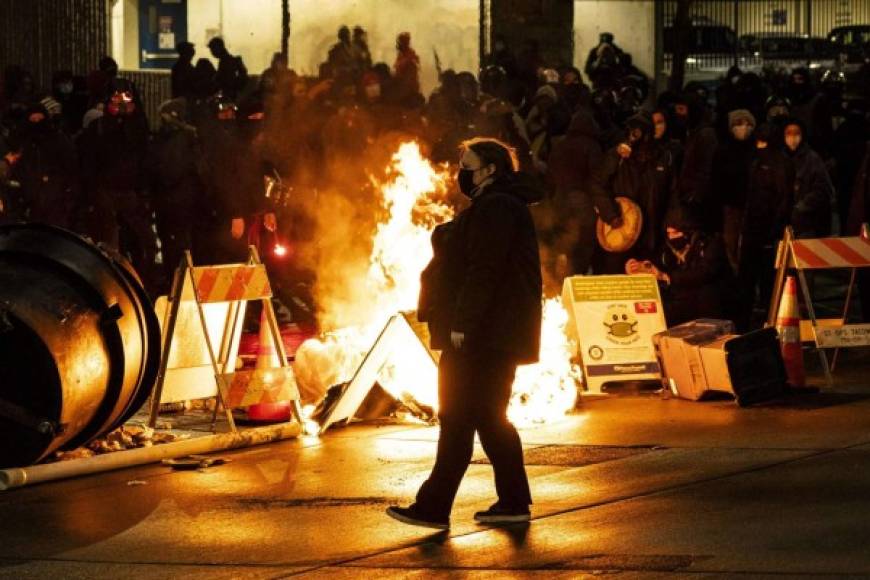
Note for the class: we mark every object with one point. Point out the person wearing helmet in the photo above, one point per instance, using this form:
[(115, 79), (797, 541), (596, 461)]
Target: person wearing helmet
[(232, 173), (175, 183), (113, 149), (603, 64)]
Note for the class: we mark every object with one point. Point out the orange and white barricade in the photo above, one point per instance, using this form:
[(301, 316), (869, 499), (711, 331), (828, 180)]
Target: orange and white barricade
[(804, 255), (218, 295)]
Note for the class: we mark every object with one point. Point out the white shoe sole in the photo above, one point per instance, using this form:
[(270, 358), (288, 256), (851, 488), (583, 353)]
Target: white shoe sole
[(421, 523), (505, 519)]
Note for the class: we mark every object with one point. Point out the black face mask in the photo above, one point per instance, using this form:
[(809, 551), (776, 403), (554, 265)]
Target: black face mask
[(679, 243), (466, 182)]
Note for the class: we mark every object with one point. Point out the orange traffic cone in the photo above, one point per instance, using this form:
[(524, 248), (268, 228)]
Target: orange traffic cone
[(267, 358), (788, 327)]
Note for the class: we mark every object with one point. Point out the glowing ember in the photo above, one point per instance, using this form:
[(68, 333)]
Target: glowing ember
[(413, 197)]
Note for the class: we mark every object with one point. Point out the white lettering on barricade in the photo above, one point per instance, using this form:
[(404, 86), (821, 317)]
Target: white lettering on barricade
[(843, 336), (614, 319)]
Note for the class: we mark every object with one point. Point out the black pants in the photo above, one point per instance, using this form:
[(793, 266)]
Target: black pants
[(756, 272), (474, 389)]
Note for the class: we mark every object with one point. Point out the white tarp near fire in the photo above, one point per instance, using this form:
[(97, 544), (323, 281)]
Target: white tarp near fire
[(413, 197)]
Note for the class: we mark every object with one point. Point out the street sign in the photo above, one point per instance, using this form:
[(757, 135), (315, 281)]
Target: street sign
[(615, 318)]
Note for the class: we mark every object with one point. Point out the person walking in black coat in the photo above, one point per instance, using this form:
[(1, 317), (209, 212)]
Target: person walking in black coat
[(481, 298)]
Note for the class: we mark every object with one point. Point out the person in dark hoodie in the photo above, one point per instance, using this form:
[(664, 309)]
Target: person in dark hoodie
[(814, 191), (694, 181), (481, 298), (766, 213), (730, 180), (47, 170), (572, 164), (692, 269)]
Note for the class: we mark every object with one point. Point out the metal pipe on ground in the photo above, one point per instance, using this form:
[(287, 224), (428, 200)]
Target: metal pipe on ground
[(22, 476), (79, 342)]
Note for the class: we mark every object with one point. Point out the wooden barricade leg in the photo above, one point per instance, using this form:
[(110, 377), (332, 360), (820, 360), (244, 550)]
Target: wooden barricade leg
[(169, 321), (221, 387), (846, 306), (783, 254), (823, 358)]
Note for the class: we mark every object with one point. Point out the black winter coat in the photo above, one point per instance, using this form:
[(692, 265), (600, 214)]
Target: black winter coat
[(48, 173), (485, 277), (573, 162), (769, 199), (814, 194), (646, 178), (701, 286), (694, 183), (732, 163)]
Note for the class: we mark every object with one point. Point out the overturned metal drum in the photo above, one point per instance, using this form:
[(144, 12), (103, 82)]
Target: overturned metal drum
[(79, 342)]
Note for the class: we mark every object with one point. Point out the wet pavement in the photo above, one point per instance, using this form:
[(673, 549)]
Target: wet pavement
[(632, 487)]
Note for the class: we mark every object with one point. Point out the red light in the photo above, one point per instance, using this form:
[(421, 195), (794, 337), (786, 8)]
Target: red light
[(279, 250)]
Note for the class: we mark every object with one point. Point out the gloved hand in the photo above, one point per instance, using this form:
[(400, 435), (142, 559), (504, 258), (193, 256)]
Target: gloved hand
[(456, 339), (270, 222)]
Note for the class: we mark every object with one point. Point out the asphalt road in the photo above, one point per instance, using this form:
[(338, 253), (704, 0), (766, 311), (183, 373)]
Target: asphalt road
[(631, 487)]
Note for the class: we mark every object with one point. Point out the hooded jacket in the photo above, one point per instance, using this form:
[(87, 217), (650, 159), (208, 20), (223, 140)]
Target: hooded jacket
[(645, 177), (485, 277), (814, 191), (574, 160)]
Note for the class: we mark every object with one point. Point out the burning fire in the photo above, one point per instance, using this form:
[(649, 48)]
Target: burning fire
[(413, 199)]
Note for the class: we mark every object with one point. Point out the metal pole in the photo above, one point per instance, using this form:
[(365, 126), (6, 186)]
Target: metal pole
[(285, 29), (483, 47), (809, 18), (736, 33), (659, 62)]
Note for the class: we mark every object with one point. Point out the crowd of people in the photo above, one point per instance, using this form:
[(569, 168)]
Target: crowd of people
[(716, 175)]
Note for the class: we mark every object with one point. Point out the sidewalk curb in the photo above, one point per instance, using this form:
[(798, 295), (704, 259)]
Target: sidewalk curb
[(22, 476)]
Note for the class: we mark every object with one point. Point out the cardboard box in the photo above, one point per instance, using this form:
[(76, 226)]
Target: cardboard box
[(714, 360), (749, 366), (679, 351)]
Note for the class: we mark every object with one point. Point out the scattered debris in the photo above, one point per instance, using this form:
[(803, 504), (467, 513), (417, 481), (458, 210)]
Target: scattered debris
[(191, 462), (121, 439)]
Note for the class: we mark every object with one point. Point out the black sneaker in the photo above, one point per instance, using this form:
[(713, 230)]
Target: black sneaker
[(499, 514), (413, 516)]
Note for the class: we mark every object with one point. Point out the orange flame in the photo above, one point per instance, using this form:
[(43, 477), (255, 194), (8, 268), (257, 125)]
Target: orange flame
[(413, 199)]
